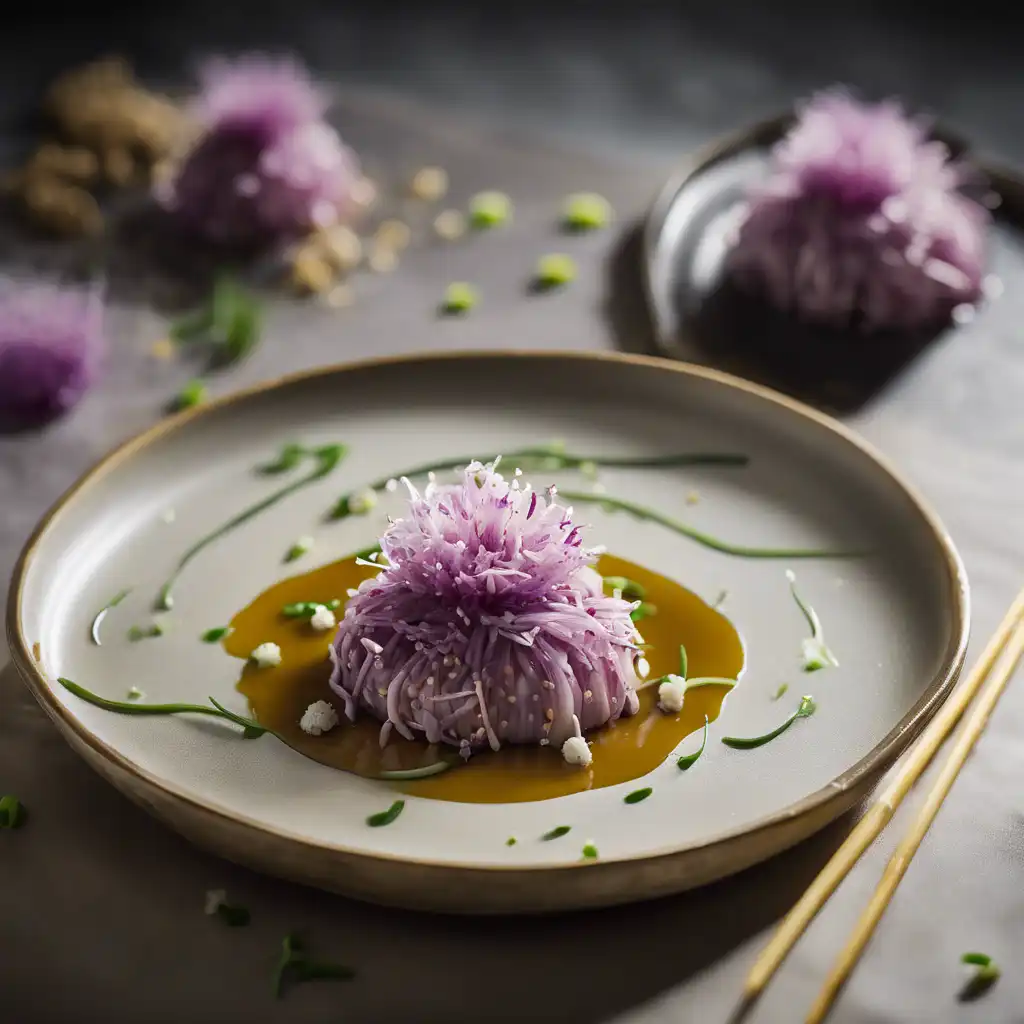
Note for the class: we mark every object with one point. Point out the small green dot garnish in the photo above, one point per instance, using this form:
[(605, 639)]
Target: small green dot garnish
[(638, 795), (301, 547), (386, 817), (490, 209), (459, 297), (145, 632), (193, 393), (781, 691), (554, 271), (511, 841), (586, 211), (215, 635), (589, 851), (643, 611), (984, 977), (305, 609), (556, 833), (12, 813), (134, 693)]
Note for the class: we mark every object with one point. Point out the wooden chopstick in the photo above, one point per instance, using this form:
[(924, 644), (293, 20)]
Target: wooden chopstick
[(880, 813), (897, 866)]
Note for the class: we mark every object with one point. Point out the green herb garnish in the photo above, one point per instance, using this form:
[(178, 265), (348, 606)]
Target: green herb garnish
[(229, 323), (630, 589), (740, 550), (816, 654), (637, 795), (215, 635), (459, 297), (644, 611), (250, 728), (805, 710), (557, 832), (489, 209), (12, 812), (193, 393), (288, 458), (94, 630), (326, 458), (293, 963), (549, 458), (233, 917), (554, 271), (134, 693), (416, 773), (781, 691), (511, 841), (305, 609), (986, 975), (301, 547), (145, 632), (386, 817), (684, 661), (586, 211), (720, 600), (589, 851), (687, 761)]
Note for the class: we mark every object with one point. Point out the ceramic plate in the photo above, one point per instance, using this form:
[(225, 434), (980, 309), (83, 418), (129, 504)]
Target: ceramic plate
[(896, 619), (696, 310)]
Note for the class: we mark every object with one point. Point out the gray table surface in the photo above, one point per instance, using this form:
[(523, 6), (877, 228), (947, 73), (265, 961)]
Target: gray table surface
[(102, 906)]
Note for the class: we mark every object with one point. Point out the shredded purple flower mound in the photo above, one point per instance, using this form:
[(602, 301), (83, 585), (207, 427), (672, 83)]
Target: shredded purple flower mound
[(862, 222), (267, 167), (488, 624), (51, 342)]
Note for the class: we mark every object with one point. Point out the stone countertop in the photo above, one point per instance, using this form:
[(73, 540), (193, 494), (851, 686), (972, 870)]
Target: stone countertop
[(103, 906)]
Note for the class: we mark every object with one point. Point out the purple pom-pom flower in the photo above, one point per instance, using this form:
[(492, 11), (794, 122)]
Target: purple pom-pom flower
[(488, 624), (51, 344), (862, 222), (266, 166)]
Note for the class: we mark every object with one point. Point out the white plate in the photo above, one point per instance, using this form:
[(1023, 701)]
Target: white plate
[(897, 621)]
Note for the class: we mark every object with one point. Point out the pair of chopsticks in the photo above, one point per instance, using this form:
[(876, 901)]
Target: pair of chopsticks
[(989, 678)]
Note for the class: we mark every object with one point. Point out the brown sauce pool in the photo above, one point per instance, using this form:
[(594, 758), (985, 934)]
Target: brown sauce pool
[(624, 750)]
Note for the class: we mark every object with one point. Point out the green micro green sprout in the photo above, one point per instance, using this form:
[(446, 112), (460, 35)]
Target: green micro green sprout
[(586, 211), (554, 271), (490, 209), (459, 297)]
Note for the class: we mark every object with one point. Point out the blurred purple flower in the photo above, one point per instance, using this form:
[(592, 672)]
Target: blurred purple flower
[(487, 625), (862, 222), (51, 343), (266, 166)]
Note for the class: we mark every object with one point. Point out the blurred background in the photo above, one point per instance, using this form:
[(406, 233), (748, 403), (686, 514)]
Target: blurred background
[(626, 78)]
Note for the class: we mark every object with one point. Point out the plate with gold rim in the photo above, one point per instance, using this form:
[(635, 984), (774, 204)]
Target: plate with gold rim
[(890, 595)]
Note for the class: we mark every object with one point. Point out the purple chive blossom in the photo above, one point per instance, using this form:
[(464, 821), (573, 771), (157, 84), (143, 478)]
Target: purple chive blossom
[(491, 626), (862, 222), (51, 342), (266, 166)]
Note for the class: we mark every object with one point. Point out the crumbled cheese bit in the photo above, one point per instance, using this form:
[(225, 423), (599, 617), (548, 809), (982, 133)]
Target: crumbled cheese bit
[(214, 899), (671, 693), (391, 486), (575, 749), (362, 501), (322, 618), (429, 184), (318, 718), (266, 655), (450, 224)]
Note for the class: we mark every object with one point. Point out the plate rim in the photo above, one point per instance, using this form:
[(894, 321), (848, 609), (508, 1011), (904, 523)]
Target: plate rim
[(837, 792)]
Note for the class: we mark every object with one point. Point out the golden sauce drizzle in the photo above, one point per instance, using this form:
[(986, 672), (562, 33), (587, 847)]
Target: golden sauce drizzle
[(624, 750)]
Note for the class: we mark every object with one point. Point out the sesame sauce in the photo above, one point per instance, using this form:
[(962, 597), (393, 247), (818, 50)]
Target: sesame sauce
[(625, 750)]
